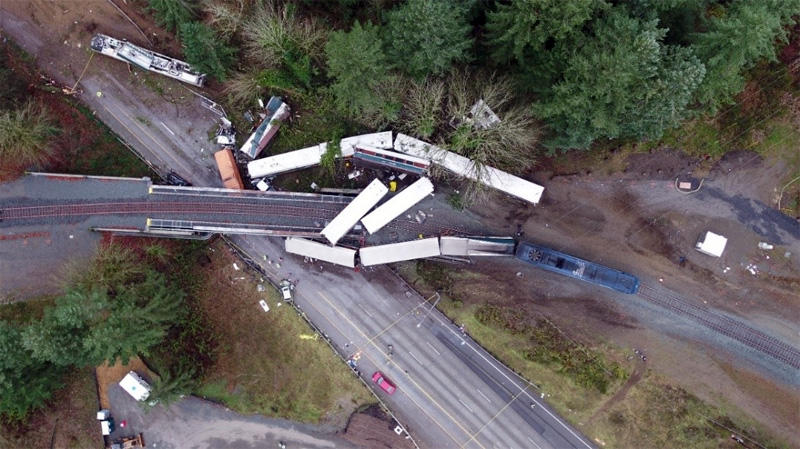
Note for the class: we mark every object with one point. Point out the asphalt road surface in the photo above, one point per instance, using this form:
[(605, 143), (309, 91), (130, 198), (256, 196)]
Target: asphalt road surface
[(450, 395)]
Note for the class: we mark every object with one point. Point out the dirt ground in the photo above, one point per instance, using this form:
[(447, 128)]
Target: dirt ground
[(107, 375), (635, 221), (630, 220)]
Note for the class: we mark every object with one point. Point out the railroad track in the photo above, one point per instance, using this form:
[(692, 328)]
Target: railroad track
[(165, 207), (725, 325)]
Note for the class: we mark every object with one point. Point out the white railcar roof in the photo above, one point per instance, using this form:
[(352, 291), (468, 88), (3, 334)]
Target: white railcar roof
[(357, 208), (382, 140), (398, 204), (397, 252), (462, 166), (333, 254), (293, 160)]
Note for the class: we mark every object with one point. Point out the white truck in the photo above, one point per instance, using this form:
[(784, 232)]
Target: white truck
[(286, 288)]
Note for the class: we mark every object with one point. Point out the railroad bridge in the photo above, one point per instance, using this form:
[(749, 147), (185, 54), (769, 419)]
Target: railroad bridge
[(137, 206)]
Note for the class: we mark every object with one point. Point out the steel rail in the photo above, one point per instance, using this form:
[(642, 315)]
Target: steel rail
[(726, 326)]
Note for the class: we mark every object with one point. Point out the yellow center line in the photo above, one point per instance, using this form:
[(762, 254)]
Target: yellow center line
[(494, 417), (393, 323), (156, 141), (375, 362), (411, 379)]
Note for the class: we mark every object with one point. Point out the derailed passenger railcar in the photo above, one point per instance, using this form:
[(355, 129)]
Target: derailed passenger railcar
[(575, 267)]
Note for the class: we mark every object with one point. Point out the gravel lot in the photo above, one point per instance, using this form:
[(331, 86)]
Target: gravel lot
[(193, 423)]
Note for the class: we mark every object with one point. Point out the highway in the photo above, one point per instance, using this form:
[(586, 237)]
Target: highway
[(452, 396), (451, 393)]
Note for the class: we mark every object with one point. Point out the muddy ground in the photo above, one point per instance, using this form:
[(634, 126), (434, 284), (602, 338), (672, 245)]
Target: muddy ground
[(632, 220), (637, 221)]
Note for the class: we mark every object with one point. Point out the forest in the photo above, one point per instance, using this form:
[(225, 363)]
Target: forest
[(563, 75)]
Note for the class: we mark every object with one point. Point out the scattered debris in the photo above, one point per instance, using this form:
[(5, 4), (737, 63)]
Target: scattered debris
[(260, 287), (226, 133)]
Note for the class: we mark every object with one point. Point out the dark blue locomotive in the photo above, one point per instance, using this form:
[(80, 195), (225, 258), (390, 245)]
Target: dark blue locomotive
[(558, 262)]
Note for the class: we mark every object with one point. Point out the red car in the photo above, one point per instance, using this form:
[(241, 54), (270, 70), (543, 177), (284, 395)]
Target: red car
[(383, 382)]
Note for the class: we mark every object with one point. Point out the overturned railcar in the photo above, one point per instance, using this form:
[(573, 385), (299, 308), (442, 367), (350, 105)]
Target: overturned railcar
[(575, 267)]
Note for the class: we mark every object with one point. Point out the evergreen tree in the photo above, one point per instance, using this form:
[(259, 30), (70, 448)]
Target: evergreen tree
[(170, 14), (171, 386), (60, 336), (517, 30), (427, 36), (621, 81), (358, 65), (204, 51), (745, 34), (25, 383)]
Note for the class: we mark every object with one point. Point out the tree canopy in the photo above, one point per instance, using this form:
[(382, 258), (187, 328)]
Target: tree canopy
[(172, 13), (734, 42), (518, 29), (25, 382), (427, 36), (204, 50), (358, 66), (623, 82)]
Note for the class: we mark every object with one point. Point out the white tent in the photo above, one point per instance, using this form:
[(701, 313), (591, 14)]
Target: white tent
[(712, 244)]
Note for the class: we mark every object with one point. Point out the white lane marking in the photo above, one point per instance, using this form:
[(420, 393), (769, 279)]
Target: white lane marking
[(434, 349), (415, 357), (494, 365), (484, 396), (165, 126), (366, 311), (465, 405), (534, 443)]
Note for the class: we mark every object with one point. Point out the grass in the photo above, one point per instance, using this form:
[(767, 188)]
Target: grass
[(86, 145), (656, 415), (538, 354), (264, 361), (653, 414), (24, 312), (68, 418)]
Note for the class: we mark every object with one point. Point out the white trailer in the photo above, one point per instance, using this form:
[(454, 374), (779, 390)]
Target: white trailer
[(400, 203), (357, 208), (463, 166), (285, 162), (398, 252), (135, 386), (333, 254)]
